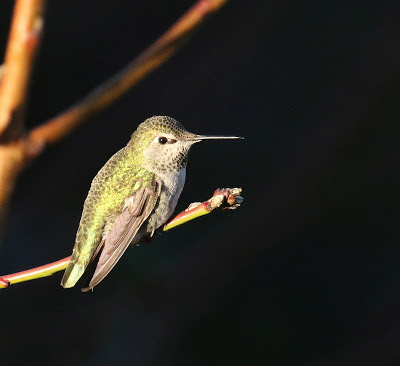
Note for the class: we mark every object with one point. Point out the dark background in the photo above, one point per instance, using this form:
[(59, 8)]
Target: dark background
[(306, 272)]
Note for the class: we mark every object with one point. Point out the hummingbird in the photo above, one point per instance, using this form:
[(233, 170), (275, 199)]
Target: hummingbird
[(132, 196)]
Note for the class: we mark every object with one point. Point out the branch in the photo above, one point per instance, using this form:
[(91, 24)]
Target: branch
[(22, 43), (108, 92), (225, 198)]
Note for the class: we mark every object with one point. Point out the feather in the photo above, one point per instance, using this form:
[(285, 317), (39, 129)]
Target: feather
[(125, 227)]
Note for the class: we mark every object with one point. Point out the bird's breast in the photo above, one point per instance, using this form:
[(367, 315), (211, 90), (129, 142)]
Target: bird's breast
[(172, 185)]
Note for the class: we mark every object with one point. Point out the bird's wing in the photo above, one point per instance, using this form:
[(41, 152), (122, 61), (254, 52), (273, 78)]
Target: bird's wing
[(125, 227)]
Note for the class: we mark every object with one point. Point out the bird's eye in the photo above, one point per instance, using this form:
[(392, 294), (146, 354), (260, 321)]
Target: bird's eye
[(162, 140)]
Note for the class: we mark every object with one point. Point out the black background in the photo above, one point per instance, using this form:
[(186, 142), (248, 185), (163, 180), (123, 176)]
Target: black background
[(306, 272)]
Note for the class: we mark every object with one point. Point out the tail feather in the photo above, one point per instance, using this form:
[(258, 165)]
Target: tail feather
[(72, 274)]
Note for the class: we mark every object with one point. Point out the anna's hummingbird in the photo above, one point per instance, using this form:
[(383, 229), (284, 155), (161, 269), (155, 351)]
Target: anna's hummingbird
[(132, 196)]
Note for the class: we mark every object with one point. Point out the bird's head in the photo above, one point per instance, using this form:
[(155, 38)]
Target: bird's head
[(165, 143)]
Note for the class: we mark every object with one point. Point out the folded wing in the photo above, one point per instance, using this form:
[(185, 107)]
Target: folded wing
[(124, 229)]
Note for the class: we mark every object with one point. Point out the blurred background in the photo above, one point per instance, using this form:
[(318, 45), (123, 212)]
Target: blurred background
[(305, 273)]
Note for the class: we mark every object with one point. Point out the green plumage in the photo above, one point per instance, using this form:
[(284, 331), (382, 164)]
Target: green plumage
[(104, 202)]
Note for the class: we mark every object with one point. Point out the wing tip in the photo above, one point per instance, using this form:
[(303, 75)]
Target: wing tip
[(86, 289)]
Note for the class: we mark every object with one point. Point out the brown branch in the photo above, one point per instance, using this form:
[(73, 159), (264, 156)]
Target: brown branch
[(225, 198), (22, 43), (107, 93), (11, 161)]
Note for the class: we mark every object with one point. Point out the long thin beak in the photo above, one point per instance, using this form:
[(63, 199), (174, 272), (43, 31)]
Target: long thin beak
[(199, 138)]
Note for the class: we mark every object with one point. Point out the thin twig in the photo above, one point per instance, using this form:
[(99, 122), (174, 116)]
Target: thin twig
[(225, 198), (108, 92), (222, 198), (34, 273)]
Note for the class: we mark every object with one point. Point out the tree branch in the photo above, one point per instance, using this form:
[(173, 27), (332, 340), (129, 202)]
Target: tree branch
[(225, 198), (26, 26), (108, 92), (22, 43)]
